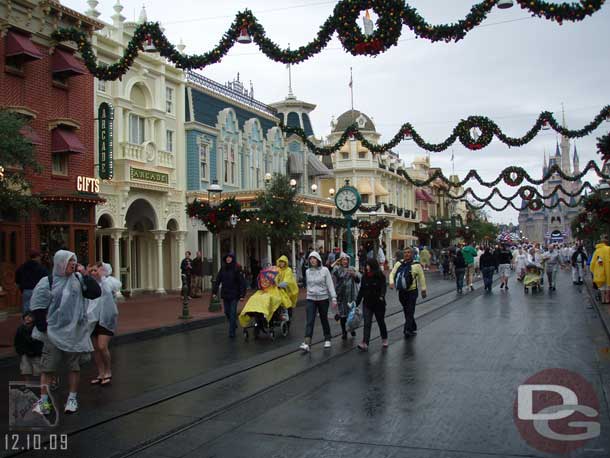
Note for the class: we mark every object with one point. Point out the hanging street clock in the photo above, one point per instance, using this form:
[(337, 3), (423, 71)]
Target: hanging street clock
[(348, 200)]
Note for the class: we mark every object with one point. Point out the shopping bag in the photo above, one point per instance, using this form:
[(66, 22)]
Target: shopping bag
[(354, 317)]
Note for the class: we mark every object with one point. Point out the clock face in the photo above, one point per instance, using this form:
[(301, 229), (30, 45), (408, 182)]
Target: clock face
[(347, 200)]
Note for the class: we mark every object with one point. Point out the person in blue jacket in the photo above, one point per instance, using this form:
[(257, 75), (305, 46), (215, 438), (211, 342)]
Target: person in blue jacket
[(232, 286)]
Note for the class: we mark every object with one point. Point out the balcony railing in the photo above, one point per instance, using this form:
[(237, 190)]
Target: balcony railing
[(218, 88), (133, 152), (166, 159)]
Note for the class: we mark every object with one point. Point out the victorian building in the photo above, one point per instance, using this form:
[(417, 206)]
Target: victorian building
[(553, 225), (48, 85), (141, 226)]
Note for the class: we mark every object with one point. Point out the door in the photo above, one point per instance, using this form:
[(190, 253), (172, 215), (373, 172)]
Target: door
[(12, 255)]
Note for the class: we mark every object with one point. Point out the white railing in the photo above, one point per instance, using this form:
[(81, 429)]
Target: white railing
[(133, 152), (166, 159)]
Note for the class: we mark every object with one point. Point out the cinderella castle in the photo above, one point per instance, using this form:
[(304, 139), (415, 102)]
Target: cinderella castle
[(553, 225)]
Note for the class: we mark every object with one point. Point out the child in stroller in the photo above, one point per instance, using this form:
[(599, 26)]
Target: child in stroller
[(267, 309), (532, 278)]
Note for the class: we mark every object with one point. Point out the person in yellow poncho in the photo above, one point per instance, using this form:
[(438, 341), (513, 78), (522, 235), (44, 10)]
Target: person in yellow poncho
[(266, 300), (600, 268), (286, 281)]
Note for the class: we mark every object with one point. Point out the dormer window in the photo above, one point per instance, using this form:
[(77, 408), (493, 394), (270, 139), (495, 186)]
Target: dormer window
[(361, 120)]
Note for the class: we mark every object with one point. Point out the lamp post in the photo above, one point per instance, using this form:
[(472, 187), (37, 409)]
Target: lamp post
[(214, 196)]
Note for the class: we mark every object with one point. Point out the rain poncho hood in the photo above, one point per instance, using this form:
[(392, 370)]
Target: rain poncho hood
[(286, 276), (103, 310), (67, 324), (600, 265)]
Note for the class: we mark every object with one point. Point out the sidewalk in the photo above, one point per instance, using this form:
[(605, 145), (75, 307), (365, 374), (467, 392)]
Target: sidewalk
[(146, 312)]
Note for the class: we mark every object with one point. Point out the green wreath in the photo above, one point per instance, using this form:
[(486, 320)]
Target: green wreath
[(513, 176), (387, 30), (527, 192), (464, 132), (535, 205)]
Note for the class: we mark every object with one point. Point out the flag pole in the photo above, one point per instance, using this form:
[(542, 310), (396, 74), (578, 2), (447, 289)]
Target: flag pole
[(351, 89)]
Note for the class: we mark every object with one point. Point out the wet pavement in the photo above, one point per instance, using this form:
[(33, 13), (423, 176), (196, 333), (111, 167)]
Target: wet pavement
[(447, 392)]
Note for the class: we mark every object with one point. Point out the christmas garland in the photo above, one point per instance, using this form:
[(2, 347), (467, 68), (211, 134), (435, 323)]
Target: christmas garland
[(534, 204), (594, 219), (525, 193), (392, 15), (320, 220), (372, 230), (364, 209), (215, 218), (464, 132)]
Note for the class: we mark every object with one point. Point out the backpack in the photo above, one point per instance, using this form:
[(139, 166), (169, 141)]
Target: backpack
[(404, 277)]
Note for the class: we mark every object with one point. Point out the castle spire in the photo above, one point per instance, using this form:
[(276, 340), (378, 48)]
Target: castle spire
[(557, 151), (576, 161)]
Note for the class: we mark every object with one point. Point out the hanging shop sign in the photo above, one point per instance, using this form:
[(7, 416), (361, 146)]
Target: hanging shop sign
[(87, 184), (149, 175), (105, 116)]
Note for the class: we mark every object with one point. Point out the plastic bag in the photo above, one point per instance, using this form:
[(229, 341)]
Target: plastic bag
[(354, 317)]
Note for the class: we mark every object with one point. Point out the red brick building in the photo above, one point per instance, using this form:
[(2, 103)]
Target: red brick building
[(48, 84)]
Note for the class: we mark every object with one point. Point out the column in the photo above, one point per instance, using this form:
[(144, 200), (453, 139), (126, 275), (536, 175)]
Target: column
[(269, 255), (355, 235), (128, 261), (294, 257), (389, 255), (332, 237), (313, 234), (159, 237), (99, 240), (116, 250), (180, 236), (341, 238)]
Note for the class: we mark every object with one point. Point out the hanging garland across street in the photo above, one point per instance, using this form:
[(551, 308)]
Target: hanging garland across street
[(463, 132), (603, 147), (525, 193), (246, 28), (372, 230), (534, 204)]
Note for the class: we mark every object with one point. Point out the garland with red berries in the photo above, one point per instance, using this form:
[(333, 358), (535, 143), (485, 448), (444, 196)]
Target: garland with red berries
[(594, 219), (534, 204), (525, 193), (393, 14), (486, 129), (215, 218)]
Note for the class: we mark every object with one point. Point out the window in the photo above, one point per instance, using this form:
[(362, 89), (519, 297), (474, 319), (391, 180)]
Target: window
[(169, 100), (232, 164), (101, 85), (345, 155), (365, 198), (203, 159), (361, 154), (60, 164), (225, 162), (169, 141), (136, 129)]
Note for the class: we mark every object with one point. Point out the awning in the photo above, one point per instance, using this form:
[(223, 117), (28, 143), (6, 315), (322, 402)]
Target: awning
[(315, 168), (295, 163), (18, 44), (364, 186), (423, 195), (30, 135), (380, 190), (66, 141), (65, 63)]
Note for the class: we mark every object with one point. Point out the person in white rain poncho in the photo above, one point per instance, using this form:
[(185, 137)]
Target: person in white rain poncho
[(520, 261), (59, 304), (102, 314)]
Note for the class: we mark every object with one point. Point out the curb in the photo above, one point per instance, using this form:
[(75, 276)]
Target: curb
[(603, 314)]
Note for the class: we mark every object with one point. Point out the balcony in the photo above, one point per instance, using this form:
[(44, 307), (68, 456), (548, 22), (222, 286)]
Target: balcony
[(133, 152), (166, 159)]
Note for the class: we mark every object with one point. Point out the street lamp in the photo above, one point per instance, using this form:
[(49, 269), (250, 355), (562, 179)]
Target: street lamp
[(293, 183), (314, 188), (267, 178), (505, 4), (214, 196), (331, 192), (604, 191), (233, 220)]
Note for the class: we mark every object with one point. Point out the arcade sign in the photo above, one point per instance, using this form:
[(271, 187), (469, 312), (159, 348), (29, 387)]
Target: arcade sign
[(105, 119), (87, 184)]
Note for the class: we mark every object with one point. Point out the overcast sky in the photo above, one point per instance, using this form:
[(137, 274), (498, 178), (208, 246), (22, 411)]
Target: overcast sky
[(511, 68)]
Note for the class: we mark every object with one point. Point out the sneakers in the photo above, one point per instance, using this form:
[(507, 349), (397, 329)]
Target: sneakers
[(327, 344), (71, 405), (304, 347), (471, 288), (363, 347), (353, 333), (42, 407), (385, 343)]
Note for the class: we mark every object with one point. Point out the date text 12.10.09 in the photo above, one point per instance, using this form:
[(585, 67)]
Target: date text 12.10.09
[(35, 441)]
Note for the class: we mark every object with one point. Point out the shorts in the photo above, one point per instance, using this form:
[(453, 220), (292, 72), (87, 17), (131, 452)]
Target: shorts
[(52, 357), (101, 330), (30, 365), (504, 270)]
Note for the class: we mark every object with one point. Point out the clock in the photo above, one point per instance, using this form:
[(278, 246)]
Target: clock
[(348, 200)]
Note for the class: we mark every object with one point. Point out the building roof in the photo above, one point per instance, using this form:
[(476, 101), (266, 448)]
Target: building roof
[(350, 117)]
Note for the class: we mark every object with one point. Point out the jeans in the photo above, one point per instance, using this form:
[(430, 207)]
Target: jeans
[(407, 300), (488, 276), (26, 296), (577, 273), (230, 307), (379, 313), (552, 276), (459, 277), (321, 307)]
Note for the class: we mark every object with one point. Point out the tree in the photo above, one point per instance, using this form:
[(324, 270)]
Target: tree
[(279, 216), (16, 158)]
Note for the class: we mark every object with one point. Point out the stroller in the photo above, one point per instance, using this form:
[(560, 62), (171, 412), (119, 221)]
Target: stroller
[(532, 280), (267, 310)]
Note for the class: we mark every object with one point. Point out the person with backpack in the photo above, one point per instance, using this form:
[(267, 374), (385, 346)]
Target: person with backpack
[(346, 280), (320, 291), (59, 305), (459, 265), (232, 286), (408, 277), (488, 264), (579, 260), (372, 292)]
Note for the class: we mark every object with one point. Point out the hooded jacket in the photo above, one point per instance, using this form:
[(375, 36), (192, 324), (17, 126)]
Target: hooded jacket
[(286, 277), (66, 308), (29, 274), (320, 285), (230, 278), (600, 265), (104, 310)]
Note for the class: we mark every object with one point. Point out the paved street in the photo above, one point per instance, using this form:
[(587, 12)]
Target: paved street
[(448, 392)]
